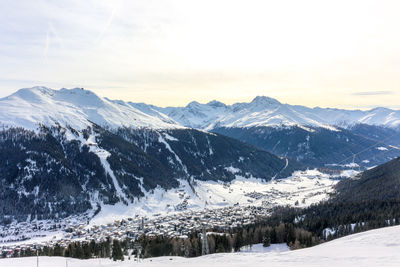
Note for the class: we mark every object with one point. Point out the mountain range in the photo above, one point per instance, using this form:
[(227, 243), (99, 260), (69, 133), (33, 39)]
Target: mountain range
[(77, 106), (319, 137), (69, 151)]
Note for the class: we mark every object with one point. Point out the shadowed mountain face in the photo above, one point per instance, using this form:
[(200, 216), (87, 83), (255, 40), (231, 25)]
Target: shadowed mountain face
[(320, 147), (59, 171), (318, 137), (379, 183)]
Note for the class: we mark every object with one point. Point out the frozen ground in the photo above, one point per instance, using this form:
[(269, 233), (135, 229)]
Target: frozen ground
[(373, 248)]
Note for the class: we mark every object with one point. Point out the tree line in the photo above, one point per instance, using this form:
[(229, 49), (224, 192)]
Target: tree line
[(298, 228), (218, 242)]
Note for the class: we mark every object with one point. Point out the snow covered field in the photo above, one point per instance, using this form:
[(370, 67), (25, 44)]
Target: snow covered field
[(303, 187), (373, 248)]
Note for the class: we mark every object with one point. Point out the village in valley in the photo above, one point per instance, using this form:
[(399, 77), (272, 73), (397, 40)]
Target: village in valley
[(17, 237)]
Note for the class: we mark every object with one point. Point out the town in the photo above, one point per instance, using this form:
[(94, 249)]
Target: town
[(179, 224)]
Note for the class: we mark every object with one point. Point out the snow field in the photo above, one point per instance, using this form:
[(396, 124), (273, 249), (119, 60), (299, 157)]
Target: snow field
[(378, 247), (311, 186)]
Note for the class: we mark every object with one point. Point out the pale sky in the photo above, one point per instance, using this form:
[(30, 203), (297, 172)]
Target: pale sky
[(169, 52)]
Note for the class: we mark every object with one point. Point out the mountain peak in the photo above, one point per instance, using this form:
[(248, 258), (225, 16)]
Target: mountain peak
[(36, 90), (265, 100), (215, 103), (193, 104), (80, 97), (74, 107)]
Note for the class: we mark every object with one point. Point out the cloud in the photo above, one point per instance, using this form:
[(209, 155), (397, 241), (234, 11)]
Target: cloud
[(372, 93)]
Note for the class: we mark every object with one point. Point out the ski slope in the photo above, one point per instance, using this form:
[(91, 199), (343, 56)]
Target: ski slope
[(373, 248)]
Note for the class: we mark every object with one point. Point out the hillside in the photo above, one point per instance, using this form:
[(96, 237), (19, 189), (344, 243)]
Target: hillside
[(379, 183), (59, 171), (361, 145), (366, 201), (70, 152), (372, 248)]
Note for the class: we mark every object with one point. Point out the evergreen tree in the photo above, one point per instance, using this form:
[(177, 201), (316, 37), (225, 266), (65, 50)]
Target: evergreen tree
[(117, 251), (58, 250)]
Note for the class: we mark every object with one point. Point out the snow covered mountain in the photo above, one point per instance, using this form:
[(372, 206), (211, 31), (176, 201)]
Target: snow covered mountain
[(359, 146), (77, 108), (316, 136), (71, 152), (74, 152), (265, 111)]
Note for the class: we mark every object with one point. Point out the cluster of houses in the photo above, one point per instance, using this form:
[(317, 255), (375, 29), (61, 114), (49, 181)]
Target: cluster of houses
[(179, 224)]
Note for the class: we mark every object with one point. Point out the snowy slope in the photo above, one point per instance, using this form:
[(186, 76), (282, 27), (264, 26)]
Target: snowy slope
[(74, 107), (265, 111), (373, 248)]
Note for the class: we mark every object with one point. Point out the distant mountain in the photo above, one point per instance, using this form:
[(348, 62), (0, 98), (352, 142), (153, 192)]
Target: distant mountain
[(320, 137), (77, 108), (265, 111), (357, 146)]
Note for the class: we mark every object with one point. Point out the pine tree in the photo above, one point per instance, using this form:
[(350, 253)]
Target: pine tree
[(58, 250), (117, 251)]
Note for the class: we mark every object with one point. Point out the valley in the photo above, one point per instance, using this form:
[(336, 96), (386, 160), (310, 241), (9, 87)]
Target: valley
[(83, 168), (179, 212), (199, 133)]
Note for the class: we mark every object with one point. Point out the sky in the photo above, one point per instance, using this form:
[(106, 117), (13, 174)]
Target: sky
[(342, 54)]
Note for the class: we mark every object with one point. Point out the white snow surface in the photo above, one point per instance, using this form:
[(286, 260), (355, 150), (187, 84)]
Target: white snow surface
[(259, 248), (303, 188), (77, 108), (378, 247)]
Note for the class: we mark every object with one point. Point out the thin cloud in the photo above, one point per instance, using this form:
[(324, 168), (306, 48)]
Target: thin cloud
[(372, 93), (55, 34), (105, 28), (46, 46)]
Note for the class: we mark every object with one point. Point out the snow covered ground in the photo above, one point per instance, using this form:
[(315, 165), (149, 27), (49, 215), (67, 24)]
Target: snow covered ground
[(303, 188), (259, 248), (373, 248)]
